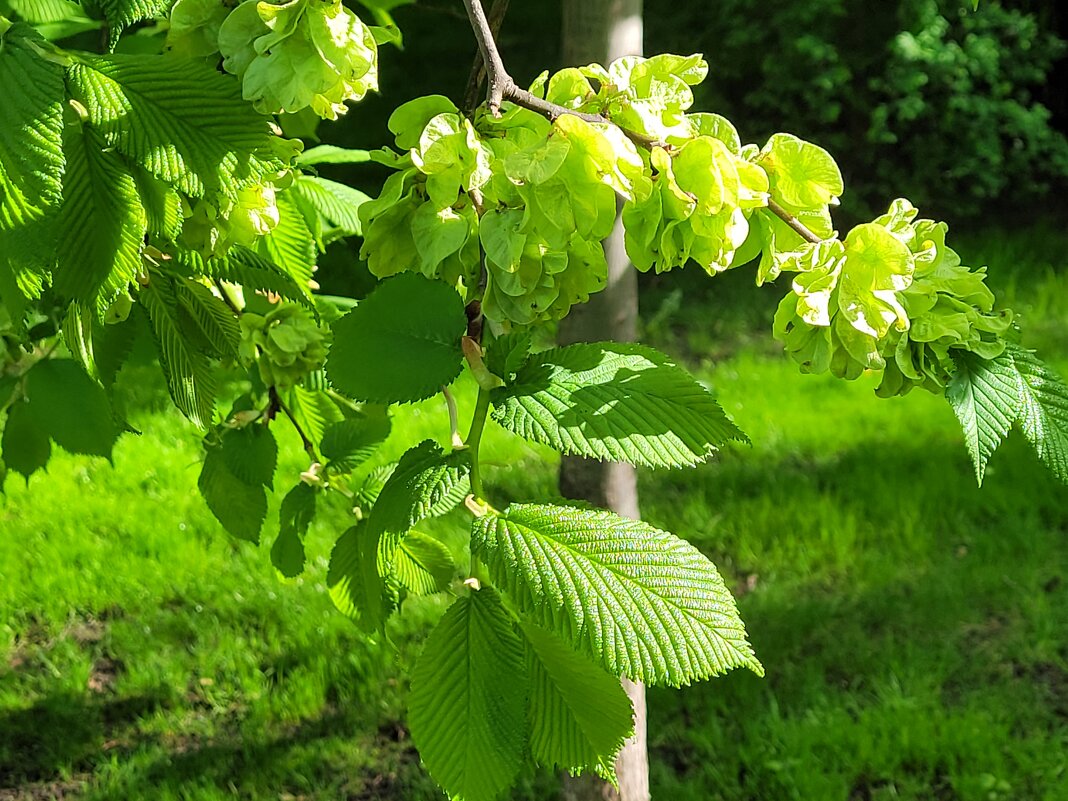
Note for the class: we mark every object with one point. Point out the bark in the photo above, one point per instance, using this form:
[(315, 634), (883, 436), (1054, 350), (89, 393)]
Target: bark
[(601, 31)]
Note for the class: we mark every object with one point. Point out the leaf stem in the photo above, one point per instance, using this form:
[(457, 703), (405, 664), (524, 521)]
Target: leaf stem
[(474, 439), (278, 403)]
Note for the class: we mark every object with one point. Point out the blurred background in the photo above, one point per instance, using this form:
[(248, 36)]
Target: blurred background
[(914, 627)]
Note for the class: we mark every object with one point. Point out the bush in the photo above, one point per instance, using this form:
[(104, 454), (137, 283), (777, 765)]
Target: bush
[(921, 97)]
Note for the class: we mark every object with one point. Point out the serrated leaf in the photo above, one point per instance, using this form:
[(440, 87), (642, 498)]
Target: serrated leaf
[(31, 155), (102, 224), (400, 344), (1043, 410), (294, 518), (579, 714), (426, 483), (314, 411), (25, 445), (336, 203), (46, 11), (506, 354), (162, 205), (423, 565), (190, 374), (71, 407), (182, 120), (240, 507), (214, 320), (349, 443), (643, 602), (616, 402), (290, 244), (984, 396), (121, 14), (466, 708), (372, 486), (252, 271), (31, 164), (250, 454), (356, 585)]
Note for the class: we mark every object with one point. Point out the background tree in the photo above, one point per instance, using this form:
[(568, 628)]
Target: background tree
[(600, 32)]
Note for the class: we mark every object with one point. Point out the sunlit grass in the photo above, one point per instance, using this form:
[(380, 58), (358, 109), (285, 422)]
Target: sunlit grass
[(913, 626)]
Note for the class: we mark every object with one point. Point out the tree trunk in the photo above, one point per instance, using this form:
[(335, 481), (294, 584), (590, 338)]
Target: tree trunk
[(602, 31)]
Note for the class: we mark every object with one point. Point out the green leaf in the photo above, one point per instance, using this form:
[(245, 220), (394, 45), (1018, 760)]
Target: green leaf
[(348, 444), (71, 407), (332, 154), (579, 714), (804, 175), (290, 244), (400, 344), (423, 564), (645, 603), (46, 11), (182, 120), (616, 402), (1043, 410), (31, 163), (314, 411), (190, 375), (247, 268), (162, 205), (121, 14), (426, 483), (468, 697), (31, 154), (214, 321), (250, 454), (294, 518), (102, 223), (372, 486), (984, 395), (338, 204), (25, 445), (240, 507), (506, 354), (409, 119), (356, 585)]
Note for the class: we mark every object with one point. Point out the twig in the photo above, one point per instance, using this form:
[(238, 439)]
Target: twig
[(795, 224)]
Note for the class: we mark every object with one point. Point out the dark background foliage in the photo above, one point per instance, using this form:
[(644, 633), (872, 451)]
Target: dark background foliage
[(961, 111)]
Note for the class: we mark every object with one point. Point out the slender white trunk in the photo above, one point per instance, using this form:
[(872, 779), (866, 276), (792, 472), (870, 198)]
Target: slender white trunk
[(602, 31)]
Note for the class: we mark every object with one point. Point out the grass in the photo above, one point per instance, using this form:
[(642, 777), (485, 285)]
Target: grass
[(913, 626)]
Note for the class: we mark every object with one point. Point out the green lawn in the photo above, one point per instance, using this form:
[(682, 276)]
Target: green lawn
[(914, 628)]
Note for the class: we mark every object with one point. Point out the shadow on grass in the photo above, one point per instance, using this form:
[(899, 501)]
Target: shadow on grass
[(64, 733), (67, 735), (911, 624)]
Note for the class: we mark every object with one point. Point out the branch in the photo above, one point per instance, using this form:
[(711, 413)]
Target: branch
[(502, 87), (478, 70)]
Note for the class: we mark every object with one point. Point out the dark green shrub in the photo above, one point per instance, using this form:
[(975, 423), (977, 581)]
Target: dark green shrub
[(922, 97)]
